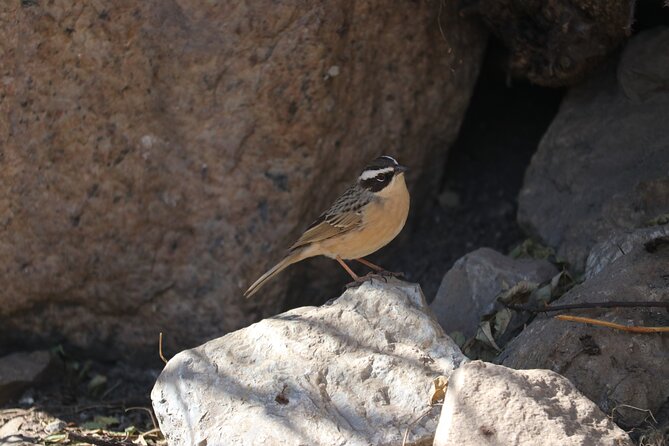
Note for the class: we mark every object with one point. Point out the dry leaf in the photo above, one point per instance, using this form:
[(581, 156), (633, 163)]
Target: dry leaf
[(439, 387)]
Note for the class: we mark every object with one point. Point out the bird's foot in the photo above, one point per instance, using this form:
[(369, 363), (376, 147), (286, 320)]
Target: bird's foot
[(354, 284), (373, 275), (384, 273), (360, 280)]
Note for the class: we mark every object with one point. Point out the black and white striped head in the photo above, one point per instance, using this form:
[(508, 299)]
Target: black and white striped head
[(380, 173)]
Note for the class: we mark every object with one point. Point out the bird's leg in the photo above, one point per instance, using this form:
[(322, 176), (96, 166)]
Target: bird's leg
[(357, 280), (348, 269), (369, 264), (379, 270)]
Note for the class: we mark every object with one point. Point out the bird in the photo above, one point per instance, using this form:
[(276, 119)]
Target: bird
[(364, 219)]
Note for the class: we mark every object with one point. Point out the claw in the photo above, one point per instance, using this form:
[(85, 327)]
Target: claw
[(354, 284), (373, 275), (360, 280), (401, 275)]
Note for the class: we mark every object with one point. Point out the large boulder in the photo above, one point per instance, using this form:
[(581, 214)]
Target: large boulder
[(488, 404), (602, 165), (624, 373), (157, 156), (618, 245), (356, 371), (556, 42), (470, 289)]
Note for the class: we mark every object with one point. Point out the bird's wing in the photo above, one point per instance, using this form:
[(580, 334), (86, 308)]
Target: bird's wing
[(345, 215)]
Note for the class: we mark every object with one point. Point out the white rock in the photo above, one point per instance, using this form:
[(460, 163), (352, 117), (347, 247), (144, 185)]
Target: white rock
[(355, 372), (488, 404)]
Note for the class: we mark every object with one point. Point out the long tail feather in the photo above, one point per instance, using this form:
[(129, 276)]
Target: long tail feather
[(291, 258)]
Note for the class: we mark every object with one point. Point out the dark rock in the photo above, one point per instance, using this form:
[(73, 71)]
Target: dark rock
[(469, 289), (602, 165), (156, 157), (556, 42), (618, 245), (20, 370), (619, 371)]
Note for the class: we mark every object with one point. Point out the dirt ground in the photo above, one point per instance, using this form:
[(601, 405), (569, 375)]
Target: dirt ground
[(84, 402), (477, 204)]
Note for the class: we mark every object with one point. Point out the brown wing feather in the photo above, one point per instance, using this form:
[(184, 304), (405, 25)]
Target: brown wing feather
[(344, 215)]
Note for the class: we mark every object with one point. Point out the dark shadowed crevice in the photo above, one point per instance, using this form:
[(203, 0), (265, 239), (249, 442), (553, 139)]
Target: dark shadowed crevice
[(477, 203)]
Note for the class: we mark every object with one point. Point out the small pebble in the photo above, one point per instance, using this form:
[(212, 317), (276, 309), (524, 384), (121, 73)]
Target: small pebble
[(54, 427)]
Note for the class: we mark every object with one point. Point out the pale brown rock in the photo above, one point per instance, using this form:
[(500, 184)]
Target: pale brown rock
[(488, 404), (159, 155), (19, 370)]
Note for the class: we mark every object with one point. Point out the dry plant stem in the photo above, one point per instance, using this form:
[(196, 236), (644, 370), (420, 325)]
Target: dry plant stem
[(627, 328), (589, 305), (153, 431), (160, 347), (650, 414), (150, 412), (414, 422), (97, 441)]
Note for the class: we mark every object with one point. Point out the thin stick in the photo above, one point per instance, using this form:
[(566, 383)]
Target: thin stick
[(150, 412), (627, 328), (160, 347), (636, 408), (414, 422), (589, 305), (96, 441)]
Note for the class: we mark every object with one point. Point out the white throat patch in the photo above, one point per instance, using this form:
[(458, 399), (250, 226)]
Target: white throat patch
[(371, 173)]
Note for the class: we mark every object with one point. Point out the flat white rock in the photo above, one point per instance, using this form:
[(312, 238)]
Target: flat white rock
[(355, 372)]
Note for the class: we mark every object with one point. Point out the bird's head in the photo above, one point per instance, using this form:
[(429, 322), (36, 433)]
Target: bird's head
[(382, 174)]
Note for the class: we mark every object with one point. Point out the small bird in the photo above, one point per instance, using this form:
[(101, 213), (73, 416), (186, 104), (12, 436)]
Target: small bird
[(361, 221)]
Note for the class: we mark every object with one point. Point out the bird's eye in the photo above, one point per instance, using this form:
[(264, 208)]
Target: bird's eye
[(381, 178)]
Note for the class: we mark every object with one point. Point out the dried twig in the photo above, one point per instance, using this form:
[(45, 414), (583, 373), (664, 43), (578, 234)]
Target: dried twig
[(150, 412), (588, 305), (160, 347), (650, 414), (414, 422), (627, 328), (97, 441)]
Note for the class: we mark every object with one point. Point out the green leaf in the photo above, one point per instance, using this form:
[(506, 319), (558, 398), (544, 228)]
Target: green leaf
[(56, 438), (660, 220), (533, 249), (97, 383), (501, 322), (541, 296)]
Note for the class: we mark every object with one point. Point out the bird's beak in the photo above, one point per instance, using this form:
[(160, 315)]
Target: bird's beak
[(401, 169)]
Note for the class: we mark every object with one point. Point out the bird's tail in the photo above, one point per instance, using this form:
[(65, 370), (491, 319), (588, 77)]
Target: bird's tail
[(293, 257)]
